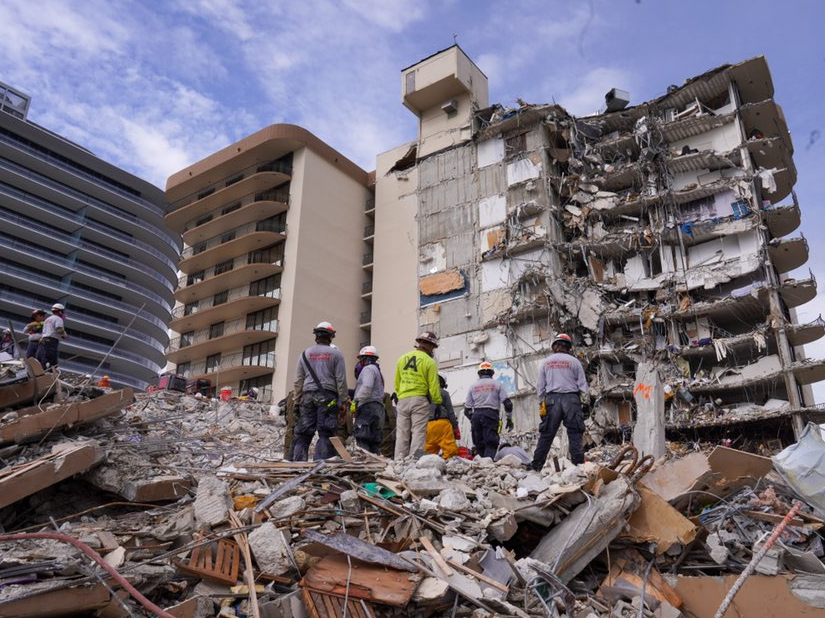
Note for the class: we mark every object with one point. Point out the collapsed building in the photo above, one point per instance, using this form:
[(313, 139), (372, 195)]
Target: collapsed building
[(660, 236)]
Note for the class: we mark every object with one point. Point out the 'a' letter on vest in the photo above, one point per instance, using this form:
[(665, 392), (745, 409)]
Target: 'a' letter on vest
[(411, 364)]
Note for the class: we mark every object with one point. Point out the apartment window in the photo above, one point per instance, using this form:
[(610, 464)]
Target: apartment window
[(195, 278), (266, 319), (224, 267), (213, 362), (740, 208), (206, 193), (186, 339), (93, 290), (216, 330), (190, 308), (220, 298), (515, 145), (261, 354), (199, 248), (231, 208), (184, 369), (272, 224), (234, 179), (262, 383), (227, 237), (203, 220), (266, 287)]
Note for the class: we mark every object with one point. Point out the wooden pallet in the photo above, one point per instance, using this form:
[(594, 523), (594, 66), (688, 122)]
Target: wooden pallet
[(223, 569)]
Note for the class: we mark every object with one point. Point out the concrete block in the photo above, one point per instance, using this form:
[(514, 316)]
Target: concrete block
[(212, 501), (270, 549), (350, 501), (283, 509), (504, 528), (453, 500)]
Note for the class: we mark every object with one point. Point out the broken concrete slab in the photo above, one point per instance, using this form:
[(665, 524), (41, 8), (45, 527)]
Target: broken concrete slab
[(649, 430), (588, 530), (286, 508), (35, 421), (66, 460), (212, 501), (270, 549)]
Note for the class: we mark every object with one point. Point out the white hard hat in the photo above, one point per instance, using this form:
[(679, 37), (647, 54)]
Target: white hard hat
[(368, 350), (324, 328), (58, 307)]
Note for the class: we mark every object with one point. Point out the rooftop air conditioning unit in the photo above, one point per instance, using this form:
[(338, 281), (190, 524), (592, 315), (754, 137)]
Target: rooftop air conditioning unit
[(450, 107), (616, 99)]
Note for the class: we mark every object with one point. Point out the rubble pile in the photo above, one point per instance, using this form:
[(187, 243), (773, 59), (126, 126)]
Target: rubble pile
[(167, 505)]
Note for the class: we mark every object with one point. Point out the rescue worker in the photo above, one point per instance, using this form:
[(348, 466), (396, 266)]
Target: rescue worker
[(7, 342), (290, 412), (53, 332), (481, 406), (442, 430), (561, 389), (320, 391), (368, 401), (34, 330), (416, 386)]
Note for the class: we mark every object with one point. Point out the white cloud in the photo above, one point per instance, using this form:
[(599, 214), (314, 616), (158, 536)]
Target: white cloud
[(587, 95)]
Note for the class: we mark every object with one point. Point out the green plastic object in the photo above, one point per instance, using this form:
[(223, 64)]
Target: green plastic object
[(374, 489)]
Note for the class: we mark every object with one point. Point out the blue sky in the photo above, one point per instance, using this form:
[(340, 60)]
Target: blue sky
[(155, 85)]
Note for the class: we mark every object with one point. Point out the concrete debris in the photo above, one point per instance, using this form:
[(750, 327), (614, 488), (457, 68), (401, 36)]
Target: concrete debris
[(423, 537)]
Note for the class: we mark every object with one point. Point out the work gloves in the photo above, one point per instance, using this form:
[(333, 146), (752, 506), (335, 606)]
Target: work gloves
[(509, 426), (468, 412), (456, 433)]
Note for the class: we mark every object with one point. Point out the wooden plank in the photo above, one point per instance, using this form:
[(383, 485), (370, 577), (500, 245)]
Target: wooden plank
[(65, 461), (33, 422), (339, 447), (80, 600), (155, 489), (775, 519), (442, 564), (479, 576), (366, 581)]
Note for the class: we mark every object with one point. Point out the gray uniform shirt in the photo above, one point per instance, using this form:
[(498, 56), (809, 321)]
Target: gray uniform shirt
[(369, 386), (561, 373), (51, 325), (445, 410), (485, 393), (328, 363)]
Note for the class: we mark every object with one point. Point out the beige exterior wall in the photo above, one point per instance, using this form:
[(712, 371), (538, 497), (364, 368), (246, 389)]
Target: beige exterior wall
[(395, 275), (322, 266)]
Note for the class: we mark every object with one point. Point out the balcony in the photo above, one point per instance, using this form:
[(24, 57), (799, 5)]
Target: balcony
[(366, 289), (369, 233), (782, 220), (211, 340), (238, 301), (247, 209), (788, 254), (366, 319), (367, 261), (369, 206), (222, 276), (256, 179), (795, 292), (232, 368), (234, 242)]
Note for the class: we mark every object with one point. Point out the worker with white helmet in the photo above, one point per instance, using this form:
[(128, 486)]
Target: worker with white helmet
[(320, 391), (481, 406), (368, 401), (53, 332), (7, 343), (561, 388), (416, 386)]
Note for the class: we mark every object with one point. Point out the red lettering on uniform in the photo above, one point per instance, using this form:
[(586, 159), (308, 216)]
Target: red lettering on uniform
[(319, 356), (557, 365)]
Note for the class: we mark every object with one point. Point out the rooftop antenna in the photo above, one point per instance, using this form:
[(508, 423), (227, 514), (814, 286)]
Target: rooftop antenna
[(455, 38)]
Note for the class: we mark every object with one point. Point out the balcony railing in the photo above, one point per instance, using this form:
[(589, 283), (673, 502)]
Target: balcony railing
[(369, 204), (279, 194), (369, 231), (87, 199), (366, 317), (62, 289), (367, 259), (282, 167), (239, 232), (257, 257), (232, 295), (229, 362), (207, 334), (81, 174), (366, 287)]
